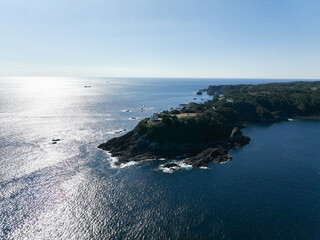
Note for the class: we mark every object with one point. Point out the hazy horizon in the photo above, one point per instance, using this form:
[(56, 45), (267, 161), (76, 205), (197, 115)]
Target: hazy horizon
[(147, 77)]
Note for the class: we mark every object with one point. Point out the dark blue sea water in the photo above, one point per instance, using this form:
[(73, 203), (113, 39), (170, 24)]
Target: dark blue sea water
[(269, 190)]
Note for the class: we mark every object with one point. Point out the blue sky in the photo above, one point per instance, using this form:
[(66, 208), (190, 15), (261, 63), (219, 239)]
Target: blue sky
[(174, 38)]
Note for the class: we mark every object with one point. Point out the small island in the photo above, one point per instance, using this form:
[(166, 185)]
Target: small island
[(200, 133)]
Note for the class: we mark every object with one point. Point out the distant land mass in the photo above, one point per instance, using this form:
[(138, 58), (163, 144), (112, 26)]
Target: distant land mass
[(200, 133)]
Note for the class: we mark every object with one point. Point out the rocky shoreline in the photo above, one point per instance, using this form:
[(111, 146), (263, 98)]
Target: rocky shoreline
[(132, 148), (198, 134)]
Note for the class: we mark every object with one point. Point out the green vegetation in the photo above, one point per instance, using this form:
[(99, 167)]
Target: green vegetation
[(215, 120), (268, 101), (204, 127), (174, 111), (221, 89)]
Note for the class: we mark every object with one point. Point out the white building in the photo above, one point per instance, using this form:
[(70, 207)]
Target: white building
[(154, 117)]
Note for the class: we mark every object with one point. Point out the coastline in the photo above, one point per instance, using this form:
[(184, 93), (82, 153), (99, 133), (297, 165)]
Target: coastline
[(199, 157), (200, 133), (314, 117)]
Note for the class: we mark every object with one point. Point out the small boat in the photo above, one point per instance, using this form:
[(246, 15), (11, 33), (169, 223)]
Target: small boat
[(87, 86)]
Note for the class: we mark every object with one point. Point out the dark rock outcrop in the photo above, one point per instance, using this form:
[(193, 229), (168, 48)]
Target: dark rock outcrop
[(202, 159), (170, 165), (131, 147)]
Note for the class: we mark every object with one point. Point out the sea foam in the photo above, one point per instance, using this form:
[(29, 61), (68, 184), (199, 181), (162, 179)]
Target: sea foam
[(180, 165)]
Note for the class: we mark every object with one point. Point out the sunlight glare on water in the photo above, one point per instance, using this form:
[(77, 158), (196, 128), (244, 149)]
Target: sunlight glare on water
[(69, 190)]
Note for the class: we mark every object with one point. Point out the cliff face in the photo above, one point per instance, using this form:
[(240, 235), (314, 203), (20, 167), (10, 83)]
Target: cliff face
[(133, 147)]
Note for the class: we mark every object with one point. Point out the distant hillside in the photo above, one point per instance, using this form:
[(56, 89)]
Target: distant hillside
[(221, 89)]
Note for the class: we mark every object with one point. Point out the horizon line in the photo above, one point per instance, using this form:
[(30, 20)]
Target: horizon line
[(167, 77)]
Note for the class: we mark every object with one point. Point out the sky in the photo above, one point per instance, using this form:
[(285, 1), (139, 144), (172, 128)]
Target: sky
[(163, 38)]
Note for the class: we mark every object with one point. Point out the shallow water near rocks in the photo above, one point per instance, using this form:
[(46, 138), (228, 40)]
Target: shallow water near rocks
[(69, 190)]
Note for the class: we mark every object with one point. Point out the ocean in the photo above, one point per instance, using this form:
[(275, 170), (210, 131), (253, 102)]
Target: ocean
[(71, 190)]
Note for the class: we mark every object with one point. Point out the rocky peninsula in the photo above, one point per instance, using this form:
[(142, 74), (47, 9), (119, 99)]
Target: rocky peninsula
[(198, 134)]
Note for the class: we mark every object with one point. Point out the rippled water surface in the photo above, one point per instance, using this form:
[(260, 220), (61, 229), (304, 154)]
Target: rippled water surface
[(67, 190)]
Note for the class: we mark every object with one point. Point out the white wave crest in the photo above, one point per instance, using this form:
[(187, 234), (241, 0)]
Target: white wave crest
[(117, 131), (134, 118), (204, 167), (115, 160), (179, 165)]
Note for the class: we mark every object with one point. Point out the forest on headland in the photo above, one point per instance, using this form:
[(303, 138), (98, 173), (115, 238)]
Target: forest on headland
[(214, 119), (204, 132)]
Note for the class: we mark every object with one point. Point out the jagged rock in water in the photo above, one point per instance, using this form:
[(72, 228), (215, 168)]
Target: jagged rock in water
[(216, 155)]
